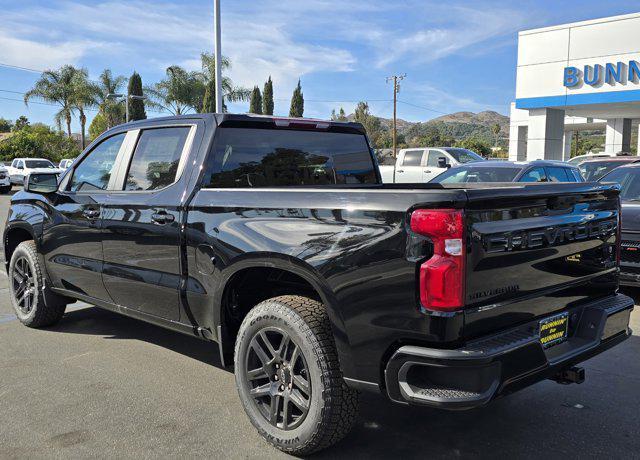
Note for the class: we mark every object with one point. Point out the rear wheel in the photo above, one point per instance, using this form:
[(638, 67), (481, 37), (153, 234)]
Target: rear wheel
[(289, 378), (33, 302)]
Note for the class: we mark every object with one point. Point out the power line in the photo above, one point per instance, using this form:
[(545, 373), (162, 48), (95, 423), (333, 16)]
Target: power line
[(422, 107), (17, 67)]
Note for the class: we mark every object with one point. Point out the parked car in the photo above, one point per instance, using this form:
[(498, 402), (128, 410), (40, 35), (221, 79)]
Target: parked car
[(593, 156), (22, 167), (5, 181), (64, 164), (592, 170), (414, 166), (275, 239), (628, 176), (507, 171)]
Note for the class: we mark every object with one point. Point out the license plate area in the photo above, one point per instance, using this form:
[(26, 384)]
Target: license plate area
[(554, 330)]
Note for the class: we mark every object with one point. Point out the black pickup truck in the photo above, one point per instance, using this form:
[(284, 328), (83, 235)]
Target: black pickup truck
[(275, 239)]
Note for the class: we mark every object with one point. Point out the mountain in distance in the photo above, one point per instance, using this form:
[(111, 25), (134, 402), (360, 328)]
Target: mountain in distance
[(459, 125)]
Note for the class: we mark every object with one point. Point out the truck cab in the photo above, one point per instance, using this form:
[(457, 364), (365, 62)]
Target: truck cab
[(419, 165)]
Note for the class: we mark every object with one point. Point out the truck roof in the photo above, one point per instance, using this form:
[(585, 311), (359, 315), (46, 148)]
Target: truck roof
[(262, 121)]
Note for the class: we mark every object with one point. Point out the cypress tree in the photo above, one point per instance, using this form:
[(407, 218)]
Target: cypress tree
[(209, 100), (136, 106), (267, 97), (255, 103), (297, 102)]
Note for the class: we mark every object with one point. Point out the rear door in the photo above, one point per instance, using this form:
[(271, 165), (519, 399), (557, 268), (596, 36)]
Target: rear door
[(142, 221), (534, 252), (410, 169)]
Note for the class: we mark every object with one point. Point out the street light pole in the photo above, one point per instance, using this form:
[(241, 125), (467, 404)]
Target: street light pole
[(125, 98), (218, 54)]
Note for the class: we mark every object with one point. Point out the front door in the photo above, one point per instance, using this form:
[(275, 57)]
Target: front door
[(72, 239), (142, 221), (410, 169)]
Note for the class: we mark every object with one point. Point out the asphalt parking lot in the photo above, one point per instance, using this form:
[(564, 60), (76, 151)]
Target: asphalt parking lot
[(102, 385)]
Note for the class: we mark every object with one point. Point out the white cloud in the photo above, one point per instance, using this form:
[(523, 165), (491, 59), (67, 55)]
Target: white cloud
[(38, 55), (457, 29)]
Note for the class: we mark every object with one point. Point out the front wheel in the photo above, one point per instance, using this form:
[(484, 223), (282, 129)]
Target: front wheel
[(288, 376), (34, 303)]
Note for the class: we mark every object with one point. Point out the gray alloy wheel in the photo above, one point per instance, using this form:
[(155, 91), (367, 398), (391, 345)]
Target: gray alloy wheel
[(278, 378)]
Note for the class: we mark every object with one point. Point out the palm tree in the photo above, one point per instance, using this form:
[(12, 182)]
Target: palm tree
[(180, 92), (58, 87), (230, 92), (110, 109), (495, 129), (83, 97)]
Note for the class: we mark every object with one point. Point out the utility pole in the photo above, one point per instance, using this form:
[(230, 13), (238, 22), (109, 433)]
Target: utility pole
[(396, 89), (218, 54)]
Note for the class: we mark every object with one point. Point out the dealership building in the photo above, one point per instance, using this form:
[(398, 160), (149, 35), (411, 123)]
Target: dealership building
[(572, 77)]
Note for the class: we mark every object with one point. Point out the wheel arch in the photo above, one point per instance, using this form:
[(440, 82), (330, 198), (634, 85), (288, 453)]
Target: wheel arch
[(298, 278), (14, 234)]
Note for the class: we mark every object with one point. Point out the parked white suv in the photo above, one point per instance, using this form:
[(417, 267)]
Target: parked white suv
[(420, 165), (5, 182), (22, 167)]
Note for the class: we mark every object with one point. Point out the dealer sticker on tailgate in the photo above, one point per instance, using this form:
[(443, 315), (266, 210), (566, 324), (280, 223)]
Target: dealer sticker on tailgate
[(554, 330)]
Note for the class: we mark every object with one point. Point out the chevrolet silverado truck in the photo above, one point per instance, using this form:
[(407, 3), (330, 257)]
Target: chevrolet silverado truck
[(276, 240)]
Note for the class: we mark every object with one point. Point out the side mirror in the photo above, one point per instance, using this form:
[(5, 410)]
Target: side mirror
[(41, 183), (19, 167), (442, 163)]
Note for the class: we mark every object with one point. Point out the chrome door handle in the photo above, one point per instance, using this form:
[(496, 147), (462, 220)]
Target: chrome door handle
[(162, 218), (91, 213), (399, 171), (427, 171)]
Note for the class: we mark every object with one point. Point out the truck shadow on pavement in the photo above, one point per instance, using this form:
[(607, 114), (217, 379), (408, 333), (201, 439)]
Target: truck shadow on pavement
[(96, 321), (546, 419)]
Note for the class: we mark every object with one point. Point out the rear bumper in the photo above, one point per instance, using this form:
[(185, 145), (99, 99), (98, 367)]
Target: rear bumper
[(496, 365), (630, 274)]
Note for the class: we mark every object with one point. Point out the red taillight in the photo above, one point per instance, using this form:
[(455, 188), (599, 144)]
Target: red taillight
[(442, 276)]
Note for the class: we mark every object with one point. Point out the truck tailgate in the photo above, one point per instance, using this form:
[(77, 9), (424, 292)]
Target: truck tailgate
[(537, 251)]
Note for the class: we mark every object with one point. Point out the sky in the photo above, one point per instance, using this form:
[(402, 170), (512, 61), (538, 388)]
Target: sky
[(457, 55)]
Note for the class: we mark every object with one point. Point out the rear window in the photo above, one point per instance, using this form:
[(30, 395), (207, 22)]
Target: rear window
[(244, 157), (39, 164), (629, 180), (470, 174), (594, 170)]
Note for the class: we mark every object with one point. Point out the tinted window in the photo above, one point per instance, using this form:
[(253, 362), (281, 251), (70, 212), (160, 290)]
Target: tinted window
[(594, 170), (556, 174), (463, 155), (268, 157), (534, 175), (629, 180), (39, 164), (576, 174), (412, 158), (155, 161), (471, 174), (95, 170)]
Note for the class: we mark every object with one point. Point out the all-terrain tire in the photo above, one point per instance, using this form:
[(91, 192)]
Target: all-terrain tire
[(44, 308), (332, 405)]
